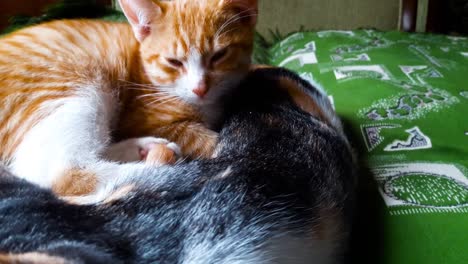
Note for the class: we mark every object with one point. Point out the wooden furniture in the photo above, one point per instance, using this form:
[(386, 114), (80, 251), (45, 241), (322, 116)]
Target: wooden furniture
[(434, 16), (408, 16), (10, 8)]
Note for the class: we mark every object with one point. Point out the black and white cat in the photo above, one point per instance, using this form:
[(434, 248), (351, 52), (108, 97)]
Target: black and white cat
[(280, 190)]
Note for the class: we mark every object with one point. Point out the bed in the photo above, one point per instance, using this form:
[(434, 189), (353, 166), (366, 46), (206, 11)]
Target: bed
[(403, 98)]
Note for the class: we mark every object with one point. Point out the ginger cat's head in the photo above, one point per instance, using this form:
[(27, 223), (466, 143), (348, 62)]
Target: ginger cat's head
[(194, 49)]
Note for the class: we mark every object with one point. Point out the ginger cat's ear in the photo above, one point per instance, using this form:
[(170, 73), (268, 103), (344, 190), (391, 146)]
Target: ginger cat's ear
[(140, 14), (248, 9)]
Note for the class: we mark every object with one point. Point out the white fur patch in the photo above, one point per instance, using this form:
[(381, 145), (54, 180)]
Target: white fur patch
[(194, 76), (72, 136)]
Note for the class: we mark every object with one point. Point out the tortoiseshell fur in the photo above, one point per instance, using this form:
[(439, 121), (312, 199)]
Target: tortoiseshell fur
[(280, 190)]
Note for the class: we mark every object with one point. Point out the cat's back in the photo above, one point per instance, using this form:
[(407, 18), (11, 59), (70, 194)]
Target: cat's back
[(67, 47), (43, 64)]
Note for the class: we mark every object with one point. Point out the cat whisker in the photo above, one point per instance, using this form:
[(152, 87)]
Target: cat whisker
[(129, 82), (152, 104), (163, 101), (225, 32), (229, 21), (166, 90), (150, 86), (151, 95), (148, 92), (156, 97), (233, 20), (139, 89), (218, 35)]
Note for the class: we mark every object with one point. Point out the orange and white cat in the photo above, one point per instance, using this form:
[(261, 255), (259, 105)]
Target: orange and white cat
[(69, 89)]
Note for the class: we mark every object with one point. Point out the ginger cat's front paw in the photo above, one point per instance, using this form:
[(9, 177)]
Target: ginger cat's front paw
[(161, 154), (138, 149)]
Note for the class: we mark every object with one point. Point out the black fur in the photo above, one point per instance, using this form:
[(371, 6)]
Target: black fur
[(285, 167)]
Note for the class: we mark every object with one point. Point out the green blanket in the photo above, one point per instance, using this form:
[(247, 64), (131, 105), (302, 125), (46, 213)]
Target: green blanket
[(404, 98)]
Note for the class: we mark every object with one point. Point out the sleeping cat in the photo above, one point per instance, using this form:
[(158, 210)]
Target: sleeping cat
[(70, 88), (280, 190)]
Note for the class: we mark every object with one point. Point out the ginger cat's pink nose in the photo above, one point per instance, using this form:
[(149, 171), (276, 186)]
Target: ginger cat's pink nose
[(201, 90)]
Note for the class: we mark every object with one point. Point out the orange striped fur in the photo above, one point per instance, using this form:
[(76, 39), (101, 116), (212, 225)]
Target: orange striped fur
[(148, 65)]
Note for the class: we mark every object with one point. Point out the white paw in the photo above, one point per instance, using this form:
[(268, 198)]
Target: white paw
[(136, 149), (174, 147)]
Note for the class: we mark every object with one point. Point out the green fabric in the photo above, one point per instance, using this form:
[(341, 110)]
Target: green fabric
[(404, 97)]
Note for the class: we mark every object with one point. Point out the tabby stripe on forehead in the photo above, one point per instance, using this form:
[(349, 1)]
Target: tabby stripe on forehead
[(159, 71), (183, 42), (183, 38), (184, 46), (201, 41), (175, 50), (152, 58), (170, 73)]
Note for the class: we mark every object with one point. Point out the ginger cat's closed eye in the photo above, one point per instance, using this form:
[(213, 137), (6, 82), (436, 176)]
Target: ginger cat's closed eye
[(69, 88)]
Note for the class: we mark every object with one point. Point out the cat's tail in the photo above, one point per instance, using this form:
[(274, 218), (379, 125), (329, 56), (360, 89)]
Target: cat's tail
[(19, 193)]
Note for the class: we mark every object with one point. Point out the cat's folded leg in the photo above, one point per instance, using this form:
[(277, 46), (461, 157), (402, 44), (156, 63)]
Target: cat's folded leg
[(117, 187), (195, 140), (162, 154), (137, 149), (65, 150)]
